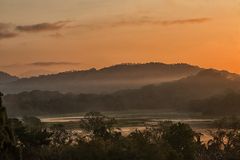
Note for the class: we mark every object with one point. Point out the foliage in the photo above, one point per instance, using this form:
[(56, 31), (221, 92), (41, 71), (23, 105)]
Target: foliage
[(101, 140), (8, 149), (223, 104), (99, 126)]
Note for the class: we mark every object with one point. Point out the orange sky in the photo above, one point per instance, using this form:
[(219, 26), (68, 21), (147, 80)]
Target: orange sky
[(46, 36)]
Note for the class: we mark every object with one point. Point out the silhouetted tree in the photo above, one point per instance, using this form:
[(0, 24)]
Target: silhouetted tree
[(182, 138), (8, 149), (99, 126)]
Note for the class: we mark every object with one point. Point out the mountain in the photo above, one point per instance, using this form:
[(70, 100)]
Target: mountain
[(105, 80), (7, 78), (176, 95)]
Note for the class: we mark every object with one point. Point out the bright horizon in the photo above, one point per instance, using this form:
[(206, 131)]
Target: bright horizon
[(40, 37)]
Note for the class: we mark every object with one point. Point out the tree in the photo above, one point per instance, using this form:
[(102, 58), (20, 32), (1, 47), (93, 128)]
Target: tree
[(99, 126), (32, 122), (8, 149), (61, 137), (33, 141), (182, 139)]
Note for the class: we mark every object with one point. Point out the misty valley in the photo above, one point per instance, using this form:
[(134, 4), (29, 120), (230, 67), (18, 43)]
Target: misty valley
[(178, 88), (127, 111)]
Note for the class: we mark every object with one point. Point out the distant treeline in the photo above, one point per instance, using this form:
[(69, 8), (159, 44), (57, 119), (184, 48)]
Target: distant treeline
[(224, 104), (46, 102)]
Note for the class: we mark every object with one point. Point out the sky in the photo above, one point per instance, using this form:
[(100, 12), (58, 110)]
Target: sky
[(49, 36)]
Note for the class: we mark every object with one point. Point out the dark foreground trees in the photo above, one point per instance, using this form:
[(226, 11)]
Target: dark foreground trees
[(8, 147), (99, 139)]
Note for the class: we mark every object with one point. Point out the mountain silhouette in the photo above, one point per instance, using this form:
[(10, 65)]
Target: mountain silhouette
[(7, 78), (105, 80), (175, 95)]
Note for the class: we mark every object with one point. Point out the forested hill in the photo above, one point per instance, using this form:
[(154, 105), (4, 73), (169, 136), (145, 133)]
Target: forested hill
[(105, 80), (6, 78), (174, 95)]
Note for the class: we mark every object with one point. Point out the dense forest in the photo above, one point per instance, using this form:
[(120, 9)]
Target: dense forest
[(100, 139), (224, 104), (47, 103)]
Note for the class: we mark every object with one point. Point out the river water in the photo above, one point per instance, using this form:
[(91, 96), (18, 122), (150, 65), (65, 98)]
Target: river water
[(139, 120)]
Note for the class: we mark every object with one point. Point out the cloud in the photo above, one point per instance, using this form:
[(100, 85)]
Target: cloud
[(40, 27), (43, 64), (4, 35), (140, 21), (186, 21), (9, 66), (6, 31), (152, 21), (9, 30)]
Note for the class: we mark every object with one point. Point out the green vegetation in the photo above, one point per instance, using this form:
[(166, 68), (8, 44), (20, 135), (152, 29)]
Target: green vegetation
[(100, 139)]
